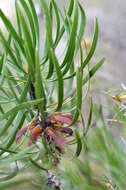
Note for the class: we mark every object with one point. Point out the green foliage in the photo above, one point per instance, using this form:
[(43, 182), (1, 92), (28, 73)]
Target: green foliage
[(30, 78)]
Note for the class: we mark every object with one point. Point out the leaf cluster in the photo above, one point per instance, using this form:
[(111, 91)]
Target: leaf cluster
[(32, 77)]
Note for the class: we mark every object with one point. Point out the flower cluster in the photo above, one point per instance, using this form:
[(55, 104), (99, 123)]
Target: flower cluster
[(52, 128)]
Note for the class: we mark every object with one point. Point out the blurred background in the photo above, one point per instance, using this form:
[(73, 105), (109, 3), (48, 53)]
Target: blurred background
[(111, 16)]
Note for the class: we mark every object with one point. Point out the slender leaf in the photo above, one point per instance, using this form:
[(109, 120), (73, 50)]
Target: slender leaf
[(51, 69), (78, 96), (29, 62), (30, 19), (93, 71), (19, 107), (39, 89), (11, 75), (25, 91), (17, 52), (18, 22), (8, 124), (2, 71), (79, 143), (89, 118), (71, 44), (48, 24), (1, 62), (11, 87), (69, 13), (57, 20), (60, 80), (10, 52), (16, 157), (82, 26), (1, 109), (36, 24), (18, 124), (27, 35), (11, 29), (93, 46), (91, 52), (4, 91), (37, 165)]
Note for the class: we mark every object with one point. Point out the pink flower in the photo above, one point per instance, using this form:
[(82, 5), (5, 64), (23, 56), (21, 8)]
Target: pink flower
[(49, 128), (35, 132), (56, 137), (21, 132), (64, 119)]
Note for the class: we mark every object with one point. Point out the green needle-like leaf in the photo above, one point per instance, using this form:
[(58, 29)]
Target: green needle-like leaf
[(51, 69), (60, 80), (3, 68), (8, 124), (25, 91), (79, 144), (36, 24), (93, 71), (78, 96), (18, 21), (39, 89), (1, 62), (37, 165), (18, 124), (48, 24), (19, 107), (30, 62), (57, 21), (30, 19), (69, 13), (93, 46), (27, 35), (11, 87), (10, 52), (16, 157), (89, 118), (11, 29), (71, 44), (82, 27)]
